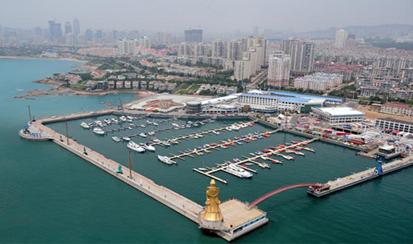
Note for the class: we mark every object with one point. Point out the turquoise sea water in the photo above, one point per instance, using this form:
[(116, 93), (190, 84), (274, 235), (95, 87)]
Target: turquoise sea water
[(48, 195)]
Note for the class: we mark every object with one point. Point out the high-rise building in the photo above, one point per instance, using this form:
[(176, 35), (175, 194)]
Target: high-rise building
[(341, 38), (89, 35), (99, 36), (127, 47), (301, 53), (68, 28), (193, 35), (219, 49), (279, 65), (234, 50), (76, 27), (55, 30)]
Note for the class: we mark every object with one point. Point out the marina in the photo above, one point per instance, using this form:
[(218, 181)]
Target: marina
[(239, 219)]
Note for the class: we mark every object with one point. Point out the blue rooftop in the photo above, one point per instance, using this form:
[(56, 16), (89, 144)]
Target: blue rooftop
[(293, 97), (305, 96)]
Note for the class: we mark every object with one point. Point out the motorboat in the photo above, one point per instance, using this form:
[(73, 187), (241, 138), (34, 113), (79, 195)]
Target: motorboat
[(98, 131), (151, 133), (123, 118), (143, 135), (148, 147), (166, 160), (85, 125), (142, 125), (125, 138), (237, 171), (135, 147), (116, 139)]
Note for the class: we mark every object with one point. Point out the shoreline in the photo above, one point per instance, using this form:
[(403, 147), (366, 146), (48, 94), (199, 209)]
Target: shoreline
[(42, 58)]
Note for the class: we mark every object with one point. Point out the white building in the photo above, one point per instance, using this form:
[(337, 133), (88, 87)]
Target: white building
[(127, 47), (341, 38), (394, 125), (339, 115), (279, 66), (242, 69), (318, 81)]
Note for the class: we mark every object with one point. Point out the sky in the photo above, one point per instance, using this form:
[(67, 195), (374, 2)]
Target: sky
[(210, 15)]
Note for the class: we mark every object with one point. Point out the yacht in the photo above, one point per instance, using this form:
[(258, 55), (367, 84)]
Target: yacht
[(142, 125), (135, 147), (148, 147), (85, 125), (166, 143), (237, 171), (155, 124), (123, 118), (143, 135), (151, 133), (116, 139), (166, 160), (175, 125), (125, 138), (98, 131)]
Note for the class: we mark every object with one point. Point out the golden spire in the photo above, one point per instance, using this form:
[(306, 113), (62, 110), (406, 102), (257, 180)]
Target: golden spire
[(211, 211)]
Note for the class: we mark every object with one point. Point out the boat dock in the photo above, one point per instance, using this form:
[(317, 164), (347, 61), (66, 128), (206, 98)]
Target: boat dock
[(254, 158), (220, 145), (199, 134), (236, 214), (360, 177)]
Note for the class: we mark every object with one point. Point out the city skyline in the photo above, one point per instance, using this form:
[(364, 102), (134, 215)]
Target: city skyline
[(230, 15)]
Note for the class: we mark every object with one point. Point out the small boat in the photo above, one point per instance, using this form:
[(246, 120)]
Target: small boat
[(175, 125), (166, 143), (85, 125), (143, 135), (166, 160), (155, 124), (116, 139), (203, 169), (125, 138), (98, 131), (148, 147), (135, 147), (237, 171), (142, 125), (123, 118), (151, 133)]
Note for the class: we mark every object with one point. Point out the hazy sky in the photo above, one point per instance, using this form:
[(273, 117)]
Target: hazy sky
[(211, 15)]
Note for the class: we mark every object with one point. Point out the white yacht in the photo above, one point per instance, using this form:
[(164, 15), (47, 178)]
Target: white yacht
[(151, 133), (175, 124), (143, 135), (116, 139), (125, 138), (123, 118), (135, 147), (98, 131), (148, 147), (237, 171), (166, 160), (85, 125)]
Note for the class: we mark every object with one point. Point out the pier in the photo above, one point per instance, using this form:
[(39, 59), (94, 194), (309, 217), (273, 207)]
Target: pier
[(360, 177), (253, 159)]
